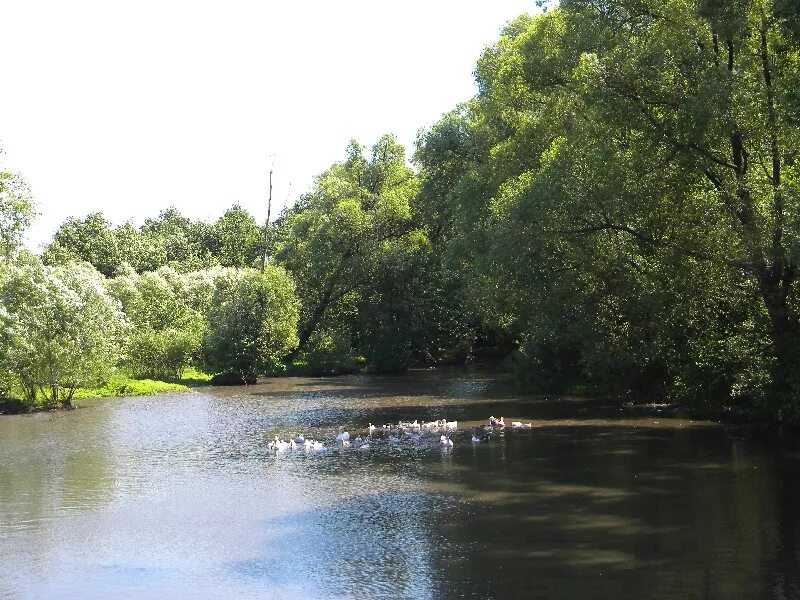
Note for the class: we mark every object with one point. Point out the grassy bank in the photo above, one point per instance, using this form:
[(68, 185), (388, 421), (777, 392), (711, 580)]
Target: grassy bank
[(119, 386), (122, 386)]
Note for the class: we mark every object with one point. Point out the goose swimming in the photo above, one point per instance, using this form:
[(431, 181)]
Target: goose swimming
[(480, 435)]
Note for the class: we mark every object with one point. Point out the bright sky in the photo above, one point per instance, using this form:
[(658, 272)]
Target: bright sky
[(129, 107)]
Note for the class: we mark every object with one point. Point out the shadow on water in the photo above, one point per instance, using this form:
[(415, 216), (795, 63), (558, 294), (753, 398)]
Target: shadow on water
[(179, 495), (591, 513), (598, 501)]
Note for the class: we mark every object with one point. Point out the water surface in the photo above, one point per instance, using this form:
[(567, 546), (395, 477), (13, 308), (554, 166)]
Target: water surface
[(178, 496)]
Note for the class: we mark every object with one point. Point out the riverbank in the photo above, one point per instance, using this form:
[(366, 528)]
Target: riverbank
[(119, 386)]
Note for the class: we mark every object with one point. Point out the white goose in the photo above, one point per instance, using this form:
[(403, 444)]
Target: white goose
[(343, 435), (278, 445)]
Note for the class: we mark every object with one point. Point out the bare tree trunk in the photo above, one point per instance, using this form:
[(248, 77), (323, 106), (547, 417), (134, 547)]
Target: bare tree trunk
[(265, 241)]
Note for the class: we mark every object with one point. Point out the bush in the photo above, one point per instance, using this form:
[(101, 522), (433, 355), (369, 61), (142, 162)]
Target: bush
[(160, 354), (167, 310), (252, 322)]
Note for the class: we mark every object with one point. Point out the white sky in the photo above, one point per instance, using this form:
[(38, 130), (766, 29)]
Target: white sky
[(129, 107)]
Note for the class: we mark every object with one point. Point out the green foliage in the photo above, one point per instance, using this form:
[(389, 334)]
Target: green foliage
[(328, 352), (410, 313), (16, 212), (85, 240), (167, 311), (65, 331), (620, 195), (119, 386), (168, 240), (338, 240), (252, 322), (236, 238)]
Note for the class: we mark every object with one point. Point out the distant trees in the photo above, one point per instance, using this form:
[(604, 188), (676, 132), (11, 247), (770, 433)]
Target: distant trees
[(169, 240), (132, 299), (85, 240), (236, 238)]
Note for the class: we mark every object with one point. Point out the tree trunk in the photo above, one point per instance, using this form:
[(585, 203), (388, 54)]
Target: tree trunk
[(783, 333), (309, 328)]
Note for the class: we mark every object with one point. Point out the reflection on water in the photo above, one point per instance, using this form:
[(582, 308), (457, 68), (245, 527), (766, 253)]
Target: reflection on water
[(177, 495)]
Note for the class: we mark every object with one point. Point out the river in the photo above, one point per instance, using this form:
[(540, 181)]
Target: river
[(178, 496)]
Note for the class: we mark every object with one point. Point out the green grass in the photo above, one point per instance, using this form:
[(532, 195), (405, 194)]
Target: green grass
[(124, 386), (193, 377), (120, 385)]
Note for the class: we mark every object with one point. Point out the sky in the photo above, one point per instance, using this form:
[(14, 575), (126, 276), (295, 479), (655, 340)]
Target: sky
[(130, 107)]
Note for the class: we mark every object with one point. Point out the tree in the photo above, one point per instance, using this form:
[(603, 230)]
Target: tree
[(252, 322), (184, 244), (412, 310), (85, 240), (237, 238), (622, 193), (64, 330), (335, 238), (167, 312), (17, 211)]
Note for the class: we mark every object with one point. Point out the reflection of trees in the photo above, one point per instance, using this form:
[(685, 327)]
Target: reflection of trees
[(51, 464)]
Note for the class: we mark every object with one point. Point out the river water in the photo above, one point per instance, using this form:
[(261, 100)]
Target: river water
[(178, 496)]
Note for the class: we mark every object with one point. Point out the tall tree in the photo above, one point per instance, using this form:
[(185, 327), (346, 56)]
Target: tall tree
[(631, 176), (91, 240), (335, 238)]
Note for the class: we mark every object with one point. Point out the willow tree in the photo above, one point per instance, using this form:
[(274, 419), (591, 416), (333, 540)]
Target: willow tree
[(635, 164), (336, 237), (712, 85), (62, 329), (16, 212)]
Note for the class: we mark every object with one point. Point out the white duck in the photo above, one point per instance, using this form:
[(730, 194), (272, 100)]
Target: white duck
[(278, 445), (314, 446), (343, 435)]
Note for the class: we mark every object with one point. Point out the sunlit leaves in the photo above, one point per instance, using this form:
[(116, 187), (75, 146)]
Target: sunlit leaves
[(16, 212), (65, 330)]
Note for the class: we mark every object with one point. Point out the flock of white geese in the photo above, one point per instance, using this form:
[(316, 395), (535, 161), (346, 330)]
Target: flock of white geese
[(414, 432)]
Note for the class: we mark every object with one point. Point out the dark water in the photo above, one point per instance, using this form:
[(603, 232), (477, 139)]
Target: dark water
[(178, 496)]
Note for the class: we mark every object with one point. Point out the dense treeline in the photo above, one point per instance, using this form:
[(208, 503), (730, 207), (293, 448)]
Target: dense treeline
[(615, 211)]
